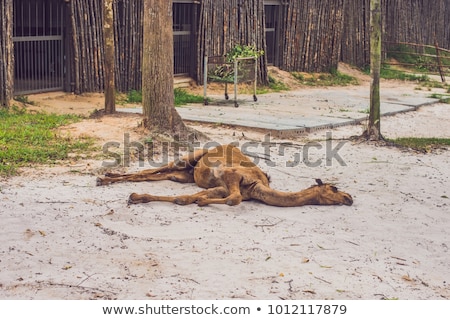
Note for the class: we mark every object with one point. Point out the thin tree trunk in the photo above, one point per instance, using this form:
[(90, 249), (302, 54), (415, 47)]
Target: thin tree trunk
[(109, 65), (157, 70), (373, 130), (6, 54), (76, 53)]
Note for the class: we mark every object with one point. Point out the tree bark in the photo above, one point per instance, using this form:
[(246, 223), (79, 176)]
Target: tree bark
[(157, 70), (6, 53), (373, 130), (109, 65)]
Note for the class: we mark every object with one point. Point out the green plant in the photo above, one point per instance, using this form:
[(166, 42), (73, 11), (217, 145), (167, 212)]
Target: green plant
[(418, 60), (29, 138), (402, 53), (334, 78), (443, 98), (134, 96), (24, 99), (421, 144), (243, 51), (225, 72), (276, 85), (366, 111), (148, 140), (387, 72), (183, 97)]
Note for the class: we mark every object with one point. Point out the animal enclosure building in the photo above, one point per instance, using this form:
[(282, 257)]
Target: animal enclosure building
[(58, 45)]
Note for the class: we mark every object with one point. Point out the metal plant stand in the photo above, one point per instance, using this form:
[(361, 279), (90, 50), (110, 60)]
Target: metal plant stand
[(242, 70)]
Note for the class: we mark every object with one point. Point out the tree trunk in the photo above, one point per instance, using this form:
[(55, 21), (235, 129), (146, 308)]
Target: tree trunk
[(373, 130), (157, 70), (109, 66), (6, 53)]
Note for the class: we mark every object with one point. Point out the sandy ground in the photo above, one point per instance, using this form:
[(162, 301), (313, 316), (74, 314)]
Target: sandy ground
[(64, 238)]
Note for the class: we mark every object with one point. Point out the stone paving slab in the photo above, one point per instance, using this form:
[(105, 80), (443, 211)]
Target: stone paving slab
[(294, 112)]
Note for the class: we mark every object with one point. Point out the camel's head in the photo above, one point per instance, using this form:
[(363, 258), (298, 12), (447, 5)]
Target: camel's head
[(330, 195)]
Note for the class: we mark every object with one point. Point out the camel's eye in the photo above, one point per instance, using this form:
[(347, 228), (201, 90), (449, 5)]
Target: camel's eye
[(334, 189)]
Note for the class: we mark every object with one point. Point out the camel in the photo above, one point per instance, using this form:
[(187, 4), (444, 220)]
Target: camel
[(228, 177)]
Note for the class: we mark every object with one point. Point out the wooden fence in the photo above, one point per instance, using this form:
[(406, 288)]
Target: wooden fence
[(225, 23), (309, 39), (412, 21), (88, 48), (425, 59), (314, 35), (128, 40), (311, 35)]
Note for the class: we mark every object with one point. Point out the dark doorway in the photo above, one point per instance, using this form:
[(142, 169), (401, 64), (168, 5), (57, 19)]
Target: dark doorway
[(184, 43), (38, 45), (272, 13)]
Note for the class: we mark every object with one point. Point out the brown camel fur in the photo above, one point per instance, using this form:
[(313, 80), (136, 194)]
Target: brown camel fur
[(229, 177)]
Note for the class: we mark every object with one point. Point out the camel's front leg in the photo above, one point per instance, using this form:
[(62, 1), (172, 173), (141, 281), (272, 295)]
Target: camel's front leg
[(234, 197), (218, 192)]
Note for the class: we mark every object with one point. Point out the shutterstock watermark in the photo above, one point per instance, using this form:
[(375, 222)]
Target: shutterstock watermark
[(311, 154)]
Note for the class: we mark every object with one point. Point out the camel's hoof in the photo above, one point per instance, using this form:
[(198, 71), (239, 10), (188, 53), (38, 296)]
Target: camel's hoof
[(131, 200), (99, 182)]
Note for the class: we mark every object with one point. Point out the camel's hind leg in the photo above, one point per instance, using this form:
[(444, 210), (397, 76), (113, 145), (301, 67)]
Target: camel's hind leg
[(218, 192), (179, 171), (148, 175)]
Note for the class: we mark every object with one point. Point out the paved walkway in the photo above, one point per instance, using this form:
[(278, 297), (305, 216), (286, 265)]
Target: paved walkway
[(304, 110)]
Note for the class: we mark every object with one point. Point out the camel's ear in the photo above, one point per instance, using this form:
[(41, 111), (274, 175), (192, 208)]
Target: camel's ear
[(319, 182)]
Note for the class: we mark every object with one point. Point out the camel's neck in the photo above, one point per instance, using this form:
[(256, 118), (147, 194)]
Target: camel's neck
[(284, 199)]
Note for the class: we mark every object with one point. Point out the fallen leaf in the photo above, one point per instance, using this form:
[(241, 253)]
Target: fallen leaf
[(407, 278), (305, 260), (67, 267), (42, 233)]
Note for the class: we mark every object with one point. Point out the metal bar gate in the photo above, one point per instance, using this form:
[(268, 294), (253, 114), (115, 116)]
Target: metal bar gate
[(38, 46), (183, 23)]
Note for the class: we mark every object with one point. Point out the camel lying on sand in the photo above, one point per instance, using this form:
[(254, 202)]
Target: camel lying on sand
[(229, 177)]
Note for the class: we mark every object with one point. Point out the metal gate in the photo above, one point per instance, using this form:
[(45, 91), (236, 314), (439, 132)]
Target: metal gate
[(183, 42), (38, 46), (272, 13)]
